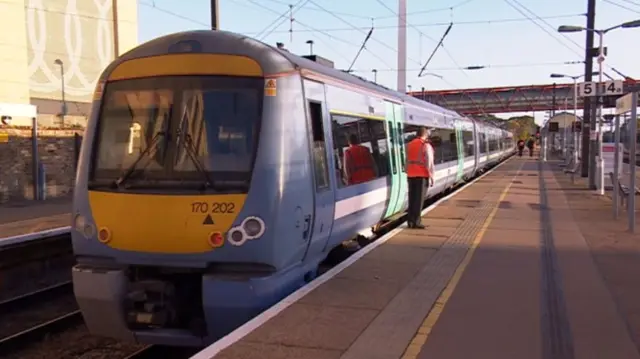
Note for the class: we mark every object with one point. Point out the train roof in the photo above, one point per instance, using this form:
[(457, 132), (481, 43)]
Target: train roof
[(270, 58)]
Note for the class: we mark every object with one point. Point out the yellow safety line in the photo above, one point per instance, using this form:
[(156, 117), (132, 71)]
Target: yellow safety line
[(418, 341)]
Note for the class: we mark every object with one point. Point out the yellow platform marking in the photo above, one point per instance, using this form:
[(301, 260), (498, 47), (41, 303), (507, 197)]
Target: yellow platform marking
[(418, 341)]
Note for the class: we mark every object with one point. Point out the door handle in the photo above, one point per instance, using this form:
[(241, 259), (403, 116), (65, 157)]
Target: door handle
[(307, 222)]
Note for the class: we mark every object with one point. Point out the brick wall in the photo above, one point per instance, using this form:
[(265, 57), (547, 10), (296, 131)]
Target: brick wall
[(57, 152)]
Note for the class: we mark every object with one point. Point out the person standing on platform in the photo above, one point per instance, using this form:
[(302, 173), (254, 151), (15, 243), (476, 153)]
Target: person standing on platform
[(520, 147), (530, 144), (420, 170)]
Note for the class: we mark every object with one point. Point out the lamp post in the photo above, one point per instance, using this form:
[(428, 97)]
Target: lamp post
[(601, 58), (575, 110), (63, 113)]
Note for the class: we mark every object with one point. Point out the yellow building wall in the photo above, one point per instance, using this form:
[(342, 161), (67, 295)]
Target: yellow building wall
[(14, 74), (81, 34)]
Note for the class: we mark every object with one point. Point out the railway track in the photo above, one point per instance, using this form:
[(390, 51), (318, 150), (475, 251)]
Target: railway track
[(38, 314)]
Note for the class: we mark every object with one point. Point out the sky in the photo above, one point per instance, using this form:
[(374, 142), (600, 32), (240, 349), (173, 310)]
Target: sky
[(515, 40)]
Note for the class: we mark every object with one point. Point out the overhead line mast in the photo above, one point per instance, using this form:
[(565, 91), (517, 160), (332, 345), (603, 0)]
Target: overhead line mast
[(402, 46)]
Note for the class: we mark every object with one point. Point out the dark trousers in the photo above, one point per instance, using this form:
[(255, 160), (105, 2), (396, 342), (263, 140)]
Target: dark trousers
[(530, 151), (520, 150), (416, 198)]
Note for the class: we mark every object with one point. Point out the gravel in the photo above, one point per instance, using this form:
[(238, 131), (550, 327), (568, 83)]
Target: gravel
[(77, 343), (34, 275), (17, 321)]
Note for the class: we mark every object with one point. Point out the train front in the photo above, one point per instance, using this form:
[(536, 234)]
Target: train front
[(168, 232)]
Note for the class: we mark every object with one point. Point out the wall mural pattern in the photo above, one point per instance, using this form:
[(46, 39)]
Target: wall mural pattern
[(80, 34)]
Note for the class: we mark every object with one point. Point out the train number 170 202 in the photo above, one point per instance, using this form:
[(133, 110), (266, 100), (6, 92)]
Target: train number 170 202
[(215, 207)]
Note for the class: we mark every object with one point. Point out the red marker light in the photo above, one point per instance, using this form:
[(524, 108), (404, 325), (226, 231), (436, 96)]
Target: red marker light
[(104, 235), (216, 239)]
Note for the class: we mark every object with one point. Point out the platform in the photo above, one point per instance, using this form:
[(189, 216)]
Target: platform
[(502, 271), (34, 216)]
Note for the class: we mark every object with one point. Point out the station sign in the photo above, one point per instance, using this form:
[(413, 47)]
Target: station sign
[(609, 88)]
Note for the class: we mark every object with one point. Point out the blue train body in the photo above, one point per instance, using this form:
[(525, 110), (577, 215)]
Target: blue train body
[(180, 254)]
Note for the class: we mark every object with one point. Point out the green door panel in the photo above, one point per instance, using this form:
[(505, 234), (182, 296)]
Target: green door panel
[(393, 159), (402, 199)]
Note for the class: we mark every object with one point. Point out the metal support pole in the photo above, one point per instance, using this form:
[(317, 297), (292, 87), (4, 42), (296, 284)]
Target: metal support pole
[(215, 18), (599, 116), (402, 46), (545, 134), (616, 169), (575, 118), (35, 158), (633, 133), (588, 122)]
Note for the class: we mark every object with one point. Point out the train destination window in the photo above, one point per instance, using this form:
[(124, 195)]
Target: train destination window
[(359, 166)]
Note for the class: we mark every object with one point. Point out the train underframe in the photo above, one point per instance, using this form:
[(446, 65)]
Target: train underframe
[(176, 306)]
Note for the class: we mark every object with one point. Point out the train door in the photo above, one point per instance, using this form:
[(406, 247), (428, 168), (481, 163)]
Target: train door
[(476, 156), (319, 223), (460, 150), (398, 174), (403, 198)]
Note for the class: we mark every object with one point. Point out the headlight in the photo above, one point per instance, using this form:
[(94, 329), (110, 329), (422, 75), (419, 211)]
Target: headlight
[(79, 222), (237, 237), (253, 227), (83, 226)]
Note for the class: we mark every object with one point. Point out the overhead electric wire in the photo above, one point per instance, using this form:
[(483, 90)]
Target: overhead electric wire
[(373, 38), (280, 19), (325, 34), (428, 11), (316, 9), (435, 24), (631, 2), (542, 28), (438, 43), (551, 26), (622, 6), (497, 66)]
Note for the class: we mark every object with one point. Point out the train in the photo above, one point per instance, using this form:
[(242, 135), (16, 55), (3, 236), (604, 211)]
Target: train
[(210, 180)]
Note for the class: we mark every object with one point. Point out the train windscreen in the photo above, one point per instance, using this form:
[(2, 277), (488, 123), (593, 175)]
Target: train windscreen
[(178, 132)]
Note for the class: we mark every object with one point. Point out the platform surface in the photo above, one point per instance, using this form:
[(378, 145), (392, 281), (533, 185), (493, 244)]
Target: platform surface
[(503, 270), (31, 217)]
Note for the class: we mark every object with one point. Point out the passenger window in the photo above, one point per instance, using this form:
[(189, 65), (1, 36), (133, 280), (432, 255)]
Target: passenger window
[(370, 160), (403, 156), (467, 137), (443, 142), (319, 146), (483, 143)]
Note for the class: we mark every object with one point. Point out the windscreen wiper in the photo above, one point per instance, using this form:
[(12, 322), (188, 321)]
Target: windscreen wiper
[(129, 171), (187, 144)]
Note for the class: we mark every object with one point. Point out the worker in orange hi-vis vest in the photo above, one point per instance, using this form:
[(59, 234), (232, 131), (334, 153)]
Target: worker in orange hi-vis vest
[(359, 165), (420, 169)]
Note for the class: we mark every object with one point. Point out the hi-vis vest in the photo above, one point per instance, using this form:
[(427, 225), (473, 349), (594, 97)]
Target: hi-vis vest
[(416, 159), (360, 167)]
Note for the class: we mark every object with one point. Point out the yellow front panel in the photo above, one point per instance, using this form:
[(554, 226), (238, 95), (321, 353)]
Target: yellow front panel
[(163, 224), (186, 64)]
